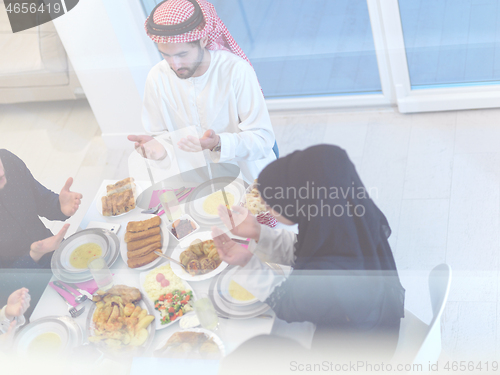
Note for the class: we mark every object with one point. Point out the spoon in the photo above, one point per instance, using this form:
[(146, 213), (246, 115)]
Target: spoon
[(78, 298), (172, 260)]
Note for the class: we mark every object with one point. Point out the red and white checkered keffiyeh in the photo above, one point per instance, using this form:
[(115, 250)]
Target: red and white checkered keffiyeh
[(173, 12)]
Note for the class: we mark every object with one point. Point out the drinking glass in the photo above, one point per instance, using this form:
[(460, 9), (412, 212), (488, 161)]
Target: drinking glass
[(101, 273), (171, 205), (206, 312)]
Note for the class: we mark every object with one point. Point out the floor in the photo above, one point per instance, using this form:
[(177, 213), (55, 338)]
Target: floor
[(436, 177)]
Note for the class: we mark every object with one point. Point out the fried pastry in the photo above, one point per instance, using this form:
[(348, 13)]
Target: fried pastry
[(187, 256), (122, 202), (194, 267), (125, 184), (120, 198), (208, 265), (129, 237), (142, 261), (197, 247), (140, 226), (139, 244), (144, 251)]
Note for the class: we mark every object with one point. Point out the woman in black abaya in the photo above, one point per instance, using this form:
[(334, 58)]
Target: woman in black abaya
[(344, 276)]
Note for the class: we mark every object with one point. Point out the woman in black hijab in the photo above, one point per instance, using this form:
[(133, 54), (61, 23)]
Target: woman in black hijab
[(344, 275)]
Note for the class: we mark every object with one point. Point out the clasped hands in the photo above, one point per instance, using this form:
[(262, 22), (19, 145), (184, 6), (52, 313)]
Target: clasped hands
[(17, 304), (245, 225), (148, 147)]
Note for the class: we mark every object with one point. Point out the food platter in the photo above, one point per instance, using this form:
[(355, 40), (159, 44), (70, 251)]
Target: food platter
[(165, 240), (69, 333), (157, 322), (209, 336), (103, 192), (229, 310), (90, 327), (252, 201), (111, 256), (183, 245), (197, 198)]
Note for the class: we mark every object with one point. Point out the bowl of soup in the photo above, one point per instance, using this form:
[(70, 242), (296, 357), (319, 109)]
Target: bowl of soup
[(79, 250)]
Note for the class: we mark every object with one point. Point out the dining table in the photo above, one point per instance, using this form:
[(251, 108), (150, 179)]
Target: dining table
[(232, 332)]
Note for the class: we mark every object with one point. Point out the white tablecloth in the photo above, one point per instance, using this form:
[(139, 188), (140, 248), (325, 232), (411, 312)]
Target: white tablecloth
[(232, 332)]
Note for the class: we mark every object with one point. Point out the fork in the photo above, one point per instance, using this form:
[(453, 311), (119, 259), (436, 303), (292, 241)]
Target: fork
[(72, 310)]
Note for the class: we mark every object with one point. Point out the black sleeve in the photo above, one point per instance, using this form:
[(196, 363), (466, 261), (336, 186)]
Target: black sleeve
[(302, 297), (329, 297), (26, 262), (47, 202)]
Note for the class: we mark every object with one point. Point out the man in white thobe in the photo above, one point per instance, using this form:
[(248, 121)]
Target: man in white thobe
[(207, 83)]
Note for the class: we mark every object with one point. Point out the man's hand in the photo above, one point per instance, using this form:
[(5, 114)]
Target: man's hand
[(193, 144), (229, 251), (148, 147), (68, 200), (40, 248), (245, 224), (17, 304)]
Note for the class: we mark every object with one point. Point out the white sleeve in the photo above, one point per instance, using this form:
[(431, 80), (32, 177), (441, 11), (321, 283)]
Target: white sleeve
[(153, 118), (154, 121), (275, 245), (258, 278), (5, 323), (256, 139)]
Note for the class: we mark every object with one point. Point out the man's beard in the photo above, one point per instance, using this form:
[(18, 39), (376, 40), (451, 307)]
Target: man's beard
[(192, 70)]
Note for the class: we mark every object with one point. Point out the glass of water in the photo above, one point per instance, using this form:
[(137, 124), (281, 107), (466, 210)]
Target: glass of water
[(206, 312), (101, 273)]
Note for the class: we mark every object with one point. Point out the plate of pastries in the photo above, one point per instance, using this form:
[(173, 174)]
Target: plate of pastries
[(140, 241), (118, 199), (199, 255)]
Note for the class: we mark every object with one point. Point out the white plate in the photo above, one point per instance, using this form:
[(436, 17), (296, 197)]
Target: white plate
[(71, 277), (183, 245), (216, 339), (234, 311), (164, 240), (76, 241), (183, 217), (240, 311), (143, 304), (103, 192), (158, 325), (35, 329), (198, 203), (223, 287)]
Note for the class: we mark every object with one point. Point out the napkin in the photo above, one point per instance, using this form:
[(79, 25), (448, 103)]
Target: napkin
[(155, 198), (90, 286)]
